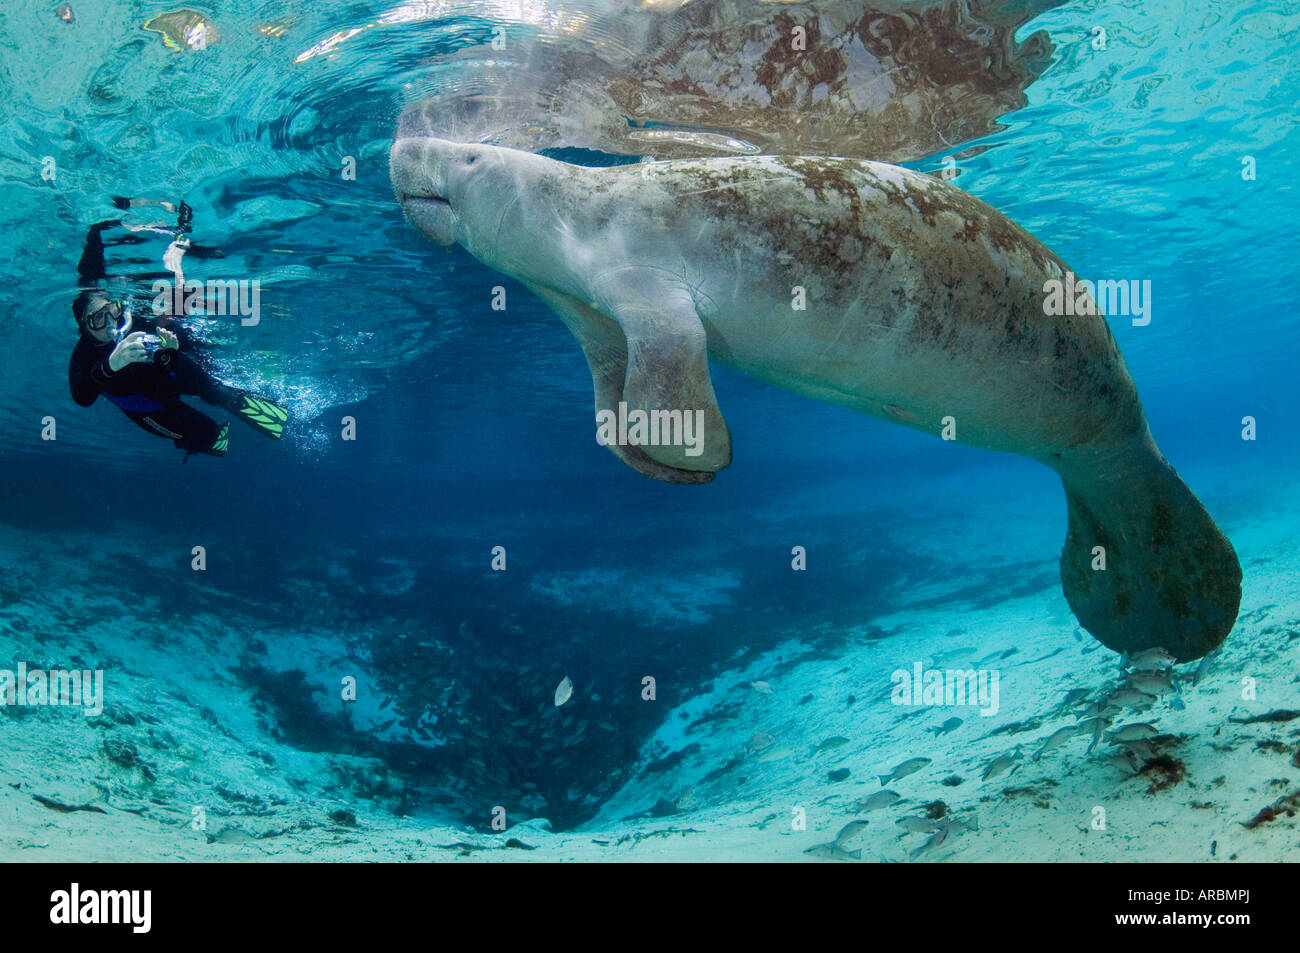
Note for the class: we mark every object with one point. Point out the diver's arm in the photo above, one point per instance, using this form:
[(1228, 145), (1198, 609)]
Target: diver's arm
[(87, 375), (91, 268)]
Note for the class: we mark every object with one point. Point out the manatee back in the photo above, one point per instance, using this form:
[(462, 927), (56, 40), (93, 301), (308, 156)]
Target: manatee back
[(919, 300)]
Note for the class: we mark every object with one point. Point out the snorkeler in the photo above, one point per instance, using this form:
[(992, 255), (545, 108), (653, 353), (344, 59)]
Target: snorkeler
[(145, 373)]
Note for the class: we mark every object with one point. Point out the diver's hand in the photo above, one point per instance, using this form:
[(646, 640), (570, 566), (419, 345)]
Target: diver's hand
[(169, 340), (130, 350)]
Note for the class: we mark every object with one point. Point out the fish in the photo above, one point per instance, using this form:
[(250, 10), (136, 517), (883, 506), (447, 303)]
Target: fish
[(776, 753), (760, 742), (960, 825), (834, 741), (1138, 731), (850, 830), (1130, 698), (763, 688), (910, 766), (1101, 709), (231, 835), (1138, 749), (833, 851), (1097, 725), (1057, 738), (949, 828), (878, 801), (1148, 660), (1123, 757), (1203, 669), (1151, 683), (1003, 764), (1073, 697), (563, 691), (937, 840), (950, 725), (918, 824)]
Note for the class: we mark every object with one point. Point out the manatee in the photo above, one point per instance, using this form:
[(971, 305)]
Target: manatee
[(923, 306)]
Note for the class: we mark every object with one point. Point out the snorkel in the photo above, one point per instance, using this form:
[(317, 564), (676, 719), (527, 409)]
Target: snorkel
[(124, 328)]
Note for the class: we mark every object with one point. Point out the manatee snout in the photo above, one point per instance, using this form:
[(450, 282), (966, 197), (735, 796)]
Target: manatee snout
[(418, 173)]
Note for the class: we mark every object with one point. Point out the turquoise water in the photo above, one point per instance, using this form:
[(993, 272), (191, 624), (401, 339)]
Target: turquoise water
[(328, 555)]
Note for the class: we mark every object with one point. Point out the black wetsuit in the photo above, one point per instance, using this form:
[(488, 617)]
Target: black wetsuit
[(147, 392)]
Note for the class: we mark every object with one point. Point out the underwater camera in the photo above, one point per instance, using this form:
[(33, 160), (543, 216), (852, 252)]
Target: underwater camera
[(153, 345)]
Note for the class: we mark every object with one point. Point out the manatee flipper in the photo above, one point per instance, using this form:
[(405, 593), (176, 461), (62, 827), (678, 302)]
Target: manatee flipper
[(605, 348), (667, 364), (1171, 578)]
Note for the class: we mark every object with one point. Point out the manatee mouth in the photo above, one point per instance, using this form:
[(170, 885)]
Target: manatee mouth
[(431, 198), (432, 214)]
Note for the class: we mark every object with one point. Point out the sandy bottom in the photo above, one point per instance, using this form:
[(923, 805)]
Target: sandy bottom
[(767, 761)]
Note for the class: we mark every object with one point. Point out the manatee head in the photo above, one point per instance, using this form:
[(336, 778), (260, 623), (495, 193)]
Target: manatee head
[(446, 186)]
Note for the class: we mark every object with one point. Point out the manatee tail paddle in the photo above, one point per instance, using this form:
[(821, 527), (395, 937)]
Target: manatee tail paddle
[(1171, 578)]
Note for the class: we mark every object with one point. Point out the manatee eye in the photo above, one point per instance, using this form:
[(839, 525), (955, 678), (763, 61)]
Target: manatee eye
[(471, 160)]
